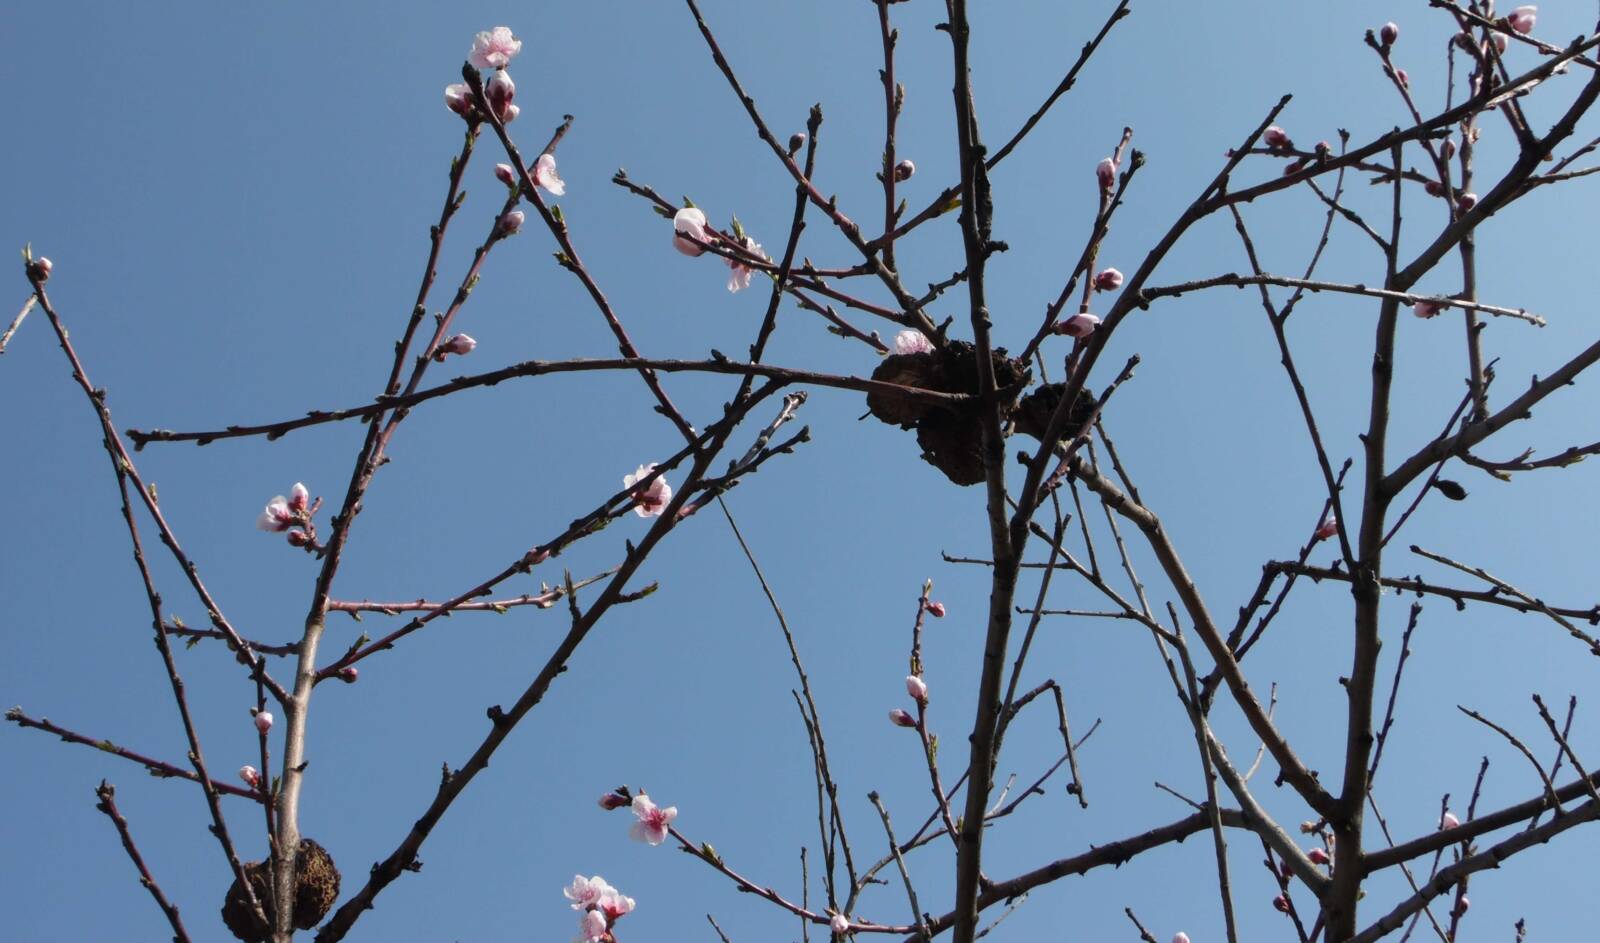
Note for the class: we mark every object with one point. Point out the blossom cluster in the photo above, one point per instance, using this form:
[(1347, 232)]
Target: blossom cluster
[(692, 235), (291, 517), (600, 904)]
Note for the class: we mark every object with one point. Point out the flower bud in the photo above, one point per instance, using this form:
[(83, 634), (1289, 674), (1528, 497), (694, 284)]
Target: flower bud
[(1427, 309), (39, 269), (458, 98), (904, 170), (1326, 529), (460, 344), (1466, 201), (1280, 904), (250, 775), (1317, 856), (900, 718), (506, 174), (1108, 280), (936, 609), (1433, 188), (349, 674), (1403, 78), (299, 497), (1180, 937), (510, 114), (263, 721), (1277, 138), (510, 223), (1462, 903), (612, 801), (1079, 325), (797, 140), (917, 688), (1448, 820), (1500, 42), (499, 90), (1522, 19), (297, 537), (1308, 827), (689, 221), (1106, 173), (840, 924), (1388, 34)]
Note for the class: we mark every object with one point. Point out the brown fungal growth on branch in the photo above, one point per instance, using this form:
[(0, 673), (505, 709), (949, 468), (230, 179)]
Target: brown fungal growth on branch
[(316, 883)]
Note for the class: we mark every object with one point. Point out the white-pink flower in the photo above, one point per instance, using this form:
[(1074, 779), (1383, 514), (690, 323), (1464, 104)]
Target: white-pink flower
[(299, 497), (1180, 937), (912, 342), (1522, 19), (458, 98), (544, 174), (1108, 280), (263, 721), (650, 500), (1449, 820), (917, 688), (591, 927), (492, 49), (739, 278), (613, 904), (653, 820), (510, 114), (839, 924), (586, 892), (1277, 138), (1326, 529), (1079, 325), (250, 775), (691, 222), (276, 516), (1106, 173)]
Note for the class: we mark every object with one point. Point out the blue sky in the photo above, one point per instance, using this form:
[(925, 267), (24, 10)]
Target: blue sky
[(236, 200)]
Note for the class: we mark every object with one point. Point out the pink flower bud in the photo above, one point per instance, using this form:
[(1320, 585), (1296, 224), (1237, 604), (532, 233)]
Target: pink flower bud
[(936, 609), (904, 170), (276, 516), (499, 90), (510, 223), (1079, 325), (612, 801), (1108, 280), (840, 924), (592, 926), (1433, 188), (1522, 19), (510, 114), (1401, 77), (1448, 820), (1426, 309), (1462, 903), (1326, 529), (797, 140), (39, 269), (263, 721), (1180, 937), (460, 344), (1500, 42), (506, 174), (1388, 34), (690, 222), (1448, 148), (494, 48), (1106, 173), (349, 674), (1285, 868), (1317, 856), (917, 688), (1280, 904), (458, 98), (912, 342), (297, 538), (544, 174), (299, 497), (900, 718), (250, 775), (1277, 138), (649, 500), (1466, 201)]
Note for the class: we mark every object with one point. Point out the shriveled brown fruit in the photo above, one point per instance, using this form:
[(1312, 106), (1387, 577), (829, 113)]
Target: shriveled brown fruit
[(316, 890)]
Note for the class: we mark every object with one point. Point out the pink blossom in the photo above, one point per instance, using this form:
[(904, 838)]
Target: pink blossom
[(691, 222), (297, 538), (900, 718), (1462, 903), (1277, 138), (839, 924), (917, 688), (1448, 820), (510, 114), (613, 904), (276, 516), (506, 174), (349, 674), (586, 892), (1079, 325), (250, 775), (592, 926), (299, 497), (1106, 173), (797, 140), (650, 500), (912, 342), (1108, 280), (544, 174), (1317, 856), (1281, 904), (1426, 309), (1389, 33), (1180, 937), (458, 98), (612, 800), (1466, 201), (936, 609), (39, 269), (1522, 19), (459, 344), (739, 278), (1403, 78), (510, 223), (1326, 529), (1500, 42), (263, 721), (499, 90), (653, 820), (492, 49), (904, 170)]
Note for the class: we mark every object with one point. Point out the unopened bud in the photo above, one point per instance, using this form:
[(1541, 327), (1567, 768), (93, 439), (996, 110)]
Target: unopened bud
[(349, 674), (1326, 529), (460, 344), (510, 223), (1401, 77), (297, 537), (1462, 903), (1108, 280), (263, 721), (1079, 325), (1448, 148), (1448, 820), (797, 140), (1500, 42), (458, 98), (1427, 309), (840, 924), (612, 801), (1522, 20), (1180, 937), (900, 718), (904, 170), (1434, 188), (250, 775), (936, 609), (1389, 33), (299, 497), (917, 688), (506, 174), (1280, 904), (1277, 138), (1106, 173), (1317, 856), (39, 269), (1308, 827), (1466, 201), (499, 90)]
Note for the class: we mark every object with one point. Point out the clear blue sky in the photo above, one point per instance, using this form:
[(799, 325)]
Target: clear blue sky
[(236, 199)]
